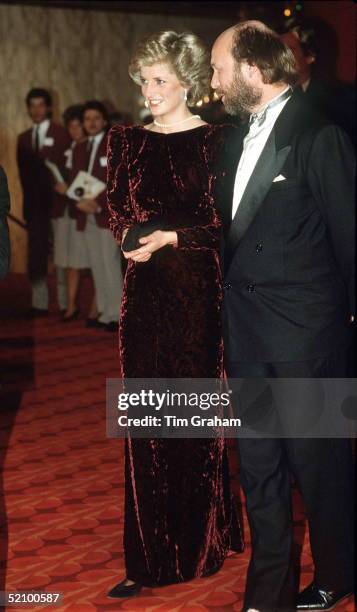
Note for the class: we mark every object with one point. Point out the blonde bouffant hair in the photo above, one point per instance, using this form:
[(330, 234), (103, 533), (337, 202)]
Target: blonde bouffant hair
[(185, 53)]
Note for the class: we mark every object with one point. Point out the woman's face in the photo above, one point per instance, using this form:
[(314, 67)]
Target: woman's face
[(76, 131), (161, 88)]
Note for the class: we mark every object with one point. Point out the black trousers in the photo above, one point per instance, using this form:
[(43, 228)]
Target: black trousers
[(38, 229), (323, 468)]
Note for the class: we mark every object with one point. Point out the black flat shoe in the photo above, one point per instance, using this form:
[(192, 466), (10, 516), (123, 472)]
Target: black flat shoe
[(313, 598), (113, 326), (71, 317), (122, 590), (212, 571)]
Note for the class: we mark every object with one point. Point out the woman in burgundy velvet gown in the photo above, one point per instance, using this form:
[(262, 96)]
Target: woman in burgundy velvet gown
[(179, 522)]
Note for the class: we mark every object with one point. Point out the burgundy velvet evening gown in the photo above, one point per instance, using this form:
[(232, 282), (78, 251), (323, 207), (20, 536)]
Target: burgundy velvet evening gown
[(179, 522)]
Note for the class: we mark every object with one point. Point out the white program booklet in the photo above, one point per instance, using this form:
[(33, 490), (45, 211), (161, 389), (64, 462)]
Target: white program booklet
[(85, 186)]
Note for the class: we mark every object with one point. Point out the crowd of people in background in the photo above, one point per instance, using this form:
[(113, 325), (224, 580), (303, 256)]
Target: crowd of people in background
[(50, 156)]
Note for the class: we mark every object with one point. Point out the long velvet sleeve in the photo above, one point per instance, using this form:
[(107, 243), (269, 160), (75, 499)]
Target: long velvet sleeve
[(207, 233), (200, 236), (118, 194)]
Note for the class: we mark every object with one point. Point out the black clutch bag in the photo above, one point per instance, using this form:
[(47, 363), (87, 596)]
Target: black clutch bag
[(140, 230)]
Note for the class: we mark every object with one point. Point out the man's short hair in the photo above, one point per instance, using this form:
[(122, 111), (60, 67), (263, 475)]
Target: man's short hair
[(306, 33), (98, 106), (39, 92), (73, 112), (263, 48)]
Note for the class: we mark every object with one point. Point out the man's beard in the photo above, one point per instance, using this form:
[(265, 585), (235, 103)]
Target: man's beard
[(241, 98)]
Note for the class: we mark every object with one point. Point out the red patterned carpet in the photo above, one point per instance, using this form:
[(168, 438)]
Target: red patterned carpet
[(63, 479)]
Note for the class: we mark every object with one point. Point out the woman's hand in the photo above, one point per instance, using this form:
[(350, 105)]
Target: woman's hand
[(151, 243), (61, 188), (87, 206)]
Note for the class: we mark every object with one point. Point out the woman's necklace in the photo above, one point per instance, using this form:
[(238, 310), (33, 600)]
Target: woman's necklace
[(168, 125)]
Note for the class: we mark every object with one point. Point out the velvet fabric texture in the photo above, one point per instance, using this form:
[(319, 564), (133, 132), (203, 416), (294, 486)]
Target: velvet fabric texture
[(179, 518)]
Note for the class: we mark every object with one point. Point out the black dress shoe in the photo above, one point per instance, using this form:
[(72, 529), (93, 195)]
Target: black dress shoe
[(71, 317), (33, 313), (212, 571), (313, 598), (113, 326), (122, 590)]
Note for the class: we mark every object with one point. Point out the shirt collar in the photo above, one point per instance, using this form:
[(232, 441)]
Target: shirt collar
[(43, 126), (97, 138), (271, 108)]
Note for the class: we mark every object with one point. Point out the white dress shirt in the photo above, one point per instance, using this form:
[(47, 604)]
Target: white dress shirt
[(42, 131), (253, 145), (305, 84), (97, 139), (69, 155)]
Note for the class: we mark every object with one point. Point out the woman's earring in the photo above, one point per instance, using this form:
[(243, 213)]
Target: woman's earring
[(146, 104), (185, 95)]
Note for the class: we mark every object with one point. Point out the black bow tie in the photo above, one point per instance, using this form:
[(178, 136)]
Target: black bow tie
[(260, 117)]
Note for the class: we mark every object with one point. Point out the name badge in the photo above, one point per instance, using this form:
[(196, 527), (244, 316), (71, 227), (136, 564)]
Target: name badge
[(103, 161), (48, 142), (69, 156)]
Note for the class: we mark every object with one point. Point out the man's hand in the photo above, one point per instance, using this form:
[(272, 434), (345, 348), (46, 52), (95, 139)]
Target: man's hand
[(151, 243), (87, 206), (61, 188)]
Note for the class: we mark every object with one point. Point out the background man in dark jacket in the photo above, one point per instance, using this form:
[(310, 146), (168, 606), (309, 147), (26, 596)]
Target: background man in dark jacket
[(45, 140), (308, 41)]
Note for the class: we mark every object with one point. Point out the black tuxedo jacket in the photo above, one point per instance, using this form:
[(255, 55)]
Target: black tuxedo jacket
[(37, 182), (336, 101), (289, 251), (4, 230)]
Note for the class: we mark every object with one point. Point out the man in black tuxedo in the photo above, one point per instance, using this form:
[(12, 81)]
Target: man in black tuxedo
[(289, 241), (4, 230)]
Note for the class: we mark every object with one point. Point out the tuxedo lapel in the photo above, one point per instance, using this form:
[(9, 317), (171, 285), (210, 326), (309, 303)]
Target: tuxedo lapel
[(267, 168), (269, 165), (229, 161)]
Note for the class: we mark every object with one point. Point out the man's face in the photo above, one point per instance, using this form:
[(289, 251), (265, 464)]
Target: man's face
[(238, 92), (93, 122), (38, 109), (303, 62)]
